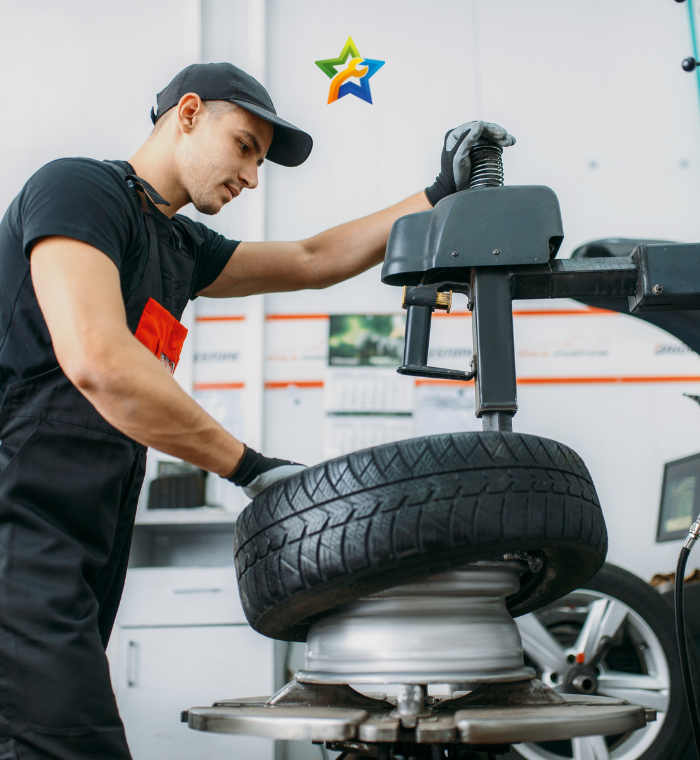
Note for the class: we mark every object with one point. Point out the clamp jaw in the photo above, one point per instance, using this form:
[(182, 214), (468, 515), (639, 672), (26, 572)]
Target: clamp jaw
[(420, 301)]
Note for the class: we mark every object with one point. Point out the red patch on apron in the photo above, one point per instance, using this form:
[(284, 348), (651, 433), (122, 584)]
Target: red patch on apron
[(161, 333)]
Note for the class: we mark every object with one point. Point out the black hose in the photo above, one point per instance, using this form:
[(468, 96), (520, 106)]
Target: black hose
[(681, 635)]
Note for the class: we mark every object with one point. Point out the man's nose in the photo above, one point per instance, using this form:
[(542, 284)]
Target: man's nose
[(249, 177)]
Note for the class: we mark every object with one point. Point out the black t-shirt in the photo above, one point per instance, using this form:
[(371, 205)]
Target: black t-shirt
[(89, 201)]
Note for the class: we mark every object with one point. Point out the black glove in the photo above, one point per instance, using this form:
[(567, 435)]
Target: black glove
[(254, 473), (455, 164)]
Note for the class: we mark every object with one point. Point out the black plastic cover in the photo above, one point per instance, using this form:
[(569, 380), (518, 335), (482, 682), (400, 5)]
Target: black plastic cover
[(522, 223), (612, 247), (684, 325), (669, 278)]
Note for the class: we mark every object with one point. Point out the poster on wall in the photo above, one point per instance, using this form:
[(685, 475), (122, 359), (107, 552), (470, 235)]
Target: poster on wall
[(226, 407), (296, 348), (220, 375), (366, 402), (445, 408)]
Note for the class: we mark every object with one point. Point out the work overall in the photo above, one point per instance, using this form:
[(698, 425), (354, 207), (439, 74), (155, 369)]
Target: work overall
[(69, 487)]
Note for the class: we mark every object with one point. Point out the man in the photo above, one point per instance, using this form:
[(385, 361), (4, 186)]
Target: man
[(95, 271)]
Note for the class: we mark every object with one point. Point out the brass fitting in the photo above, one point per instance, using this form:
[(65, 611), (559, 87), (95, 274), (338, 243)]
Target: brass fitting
[(444, 301), (421, 295)]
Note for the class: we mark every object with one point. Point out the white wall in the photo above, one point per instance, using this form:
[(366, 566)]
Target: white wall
[(576, 81), (598, 82), (79, 77), (592, 89)]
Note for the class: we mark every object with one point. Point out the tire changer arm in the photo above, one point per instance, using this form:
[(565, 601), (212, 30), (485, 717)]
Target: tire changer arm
[(496, 244)]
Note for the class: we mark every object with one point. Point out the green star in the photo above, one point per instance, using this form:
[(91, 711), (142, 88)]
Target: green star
[(328, 65)]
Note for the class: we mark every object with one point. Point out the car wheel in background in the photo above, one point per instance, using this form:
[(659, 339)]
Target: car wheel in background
[(638, 663)]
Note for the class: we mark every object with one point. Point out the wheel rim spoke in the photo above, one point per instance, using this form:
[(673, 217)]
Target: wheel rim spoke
[(615, 679), (604, 619), (590, 748), (540, 645), (601, 617), (657, 700), (646, 690)]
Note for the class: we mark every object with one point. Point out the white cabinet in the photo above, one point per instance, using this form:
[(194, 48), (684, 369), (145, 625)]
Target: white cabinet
[(176, 596), (180, 642)]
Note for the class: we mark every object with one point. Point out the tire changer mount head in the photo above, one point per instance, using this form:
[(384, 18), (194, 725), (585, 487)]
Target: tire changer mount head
[(493, 244)]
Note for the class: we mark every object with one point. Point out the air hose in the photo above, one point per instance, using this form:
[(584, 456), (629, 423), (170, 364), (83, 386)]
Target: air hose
[(681, 632)]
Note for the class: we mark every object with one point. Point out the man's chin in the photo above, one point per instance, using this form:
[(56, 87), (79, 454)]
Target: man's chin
[(208, 208)]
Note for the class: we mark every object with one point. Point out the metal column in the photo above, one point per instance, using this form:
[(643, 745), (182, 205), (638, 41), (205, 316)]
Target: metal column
[(492, 326)]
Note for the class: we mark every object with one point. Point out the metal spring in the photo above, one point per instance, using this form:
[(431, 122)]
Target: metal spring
[(487, 164)]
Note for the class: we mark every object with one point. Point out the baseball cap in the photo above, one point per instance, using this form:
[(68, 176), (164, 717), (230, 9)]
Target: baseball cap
[(224, 81)]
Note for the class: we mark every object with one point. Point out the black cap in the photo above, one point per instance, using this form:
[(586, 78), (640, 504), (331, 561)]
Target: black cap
[(224, 81)]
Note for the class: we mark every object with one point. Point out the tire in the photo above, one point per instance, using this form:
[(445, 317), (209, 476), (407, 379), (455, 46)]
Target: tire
[(649, 621), (396, 513)]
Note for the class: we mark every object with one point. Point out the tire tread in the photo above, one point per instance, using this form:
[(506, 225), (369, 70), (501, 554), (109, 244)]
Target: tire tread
[(406, 509)]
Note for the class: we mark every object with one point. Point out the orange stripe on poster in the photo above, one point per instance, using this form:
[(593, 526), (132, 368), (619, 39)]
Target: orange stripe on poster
[(589, 312), (609, 380), (272, 317), (578, 380), (237, 318), (272, 385), (218, 386), (276, 384), (541, 313)]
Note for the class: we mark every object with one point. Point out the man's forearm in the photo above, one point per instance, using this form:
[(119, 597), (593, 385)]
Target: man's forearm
[(317, 262), (135, 393), (351, 248)]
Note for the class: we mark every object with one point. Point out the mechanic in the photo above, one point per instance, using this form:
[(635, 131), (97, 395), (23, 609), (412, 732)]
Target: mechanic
[(96, 268)]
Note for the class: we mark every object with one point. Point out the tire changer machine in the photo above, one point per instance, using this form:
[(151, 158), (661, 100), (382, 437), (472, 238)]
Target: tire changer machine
[(494, 244)]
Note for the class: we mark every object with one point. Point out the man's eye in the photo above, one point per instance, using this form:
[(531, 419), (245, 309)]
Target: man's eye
[(244, 147)]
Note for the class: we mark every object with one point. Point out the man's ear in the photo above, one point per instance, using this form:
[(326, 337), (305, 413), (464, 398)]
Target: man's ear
[(189, 111)]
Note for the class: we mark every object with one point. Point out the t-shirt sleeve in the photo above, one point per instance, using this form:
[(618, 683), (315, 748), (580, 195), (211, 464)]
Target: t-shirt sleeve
[(80, 199), (211, 256)]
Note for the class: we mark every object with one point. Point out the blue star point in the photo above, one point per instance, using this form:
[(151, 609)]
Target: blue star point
[(361, 90)]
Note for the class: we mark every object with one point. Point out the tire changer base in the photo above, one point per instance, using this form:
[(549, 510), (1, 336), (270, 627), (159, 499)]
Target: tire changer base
[(493, 244)]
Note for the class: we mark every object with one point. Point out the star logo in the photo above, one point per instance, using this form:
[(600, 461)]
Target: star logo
[(358, 68)]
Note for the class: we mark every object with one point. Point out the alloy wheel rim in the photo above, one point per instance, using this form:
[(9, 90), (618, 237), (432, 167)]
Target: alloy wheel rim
[(453, 628), (599, 615)]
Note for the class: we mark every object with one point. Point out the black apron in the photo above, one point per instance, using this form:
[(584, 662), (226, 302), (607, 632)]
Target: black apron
[(69, 487)]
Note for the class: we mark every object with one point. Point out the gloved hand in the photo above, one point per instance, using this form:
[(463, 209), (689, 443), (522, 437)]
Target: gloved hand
[(455, 164), (255, 473)]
